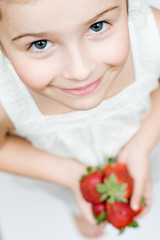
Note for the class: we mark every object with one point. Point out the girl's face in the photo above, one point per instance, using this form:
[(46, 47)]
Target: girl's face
[(70, 51)]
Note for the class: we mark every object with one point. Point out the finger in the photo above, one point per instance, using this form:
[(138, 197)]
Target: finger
[(86, 210), (85, 207), (137, 194), (147, 198), (148, 194), (87, 230)]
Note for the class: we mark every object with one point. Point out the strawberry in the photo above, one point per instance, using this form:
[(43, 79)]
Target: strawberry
[(113, 167), (127, 190), (120, 215), (99, 211), (88, 185), (118, 183), (121, 172)]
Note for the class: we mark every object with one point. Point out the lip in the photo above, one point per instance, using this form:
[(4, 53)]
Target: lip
[(82, 91)]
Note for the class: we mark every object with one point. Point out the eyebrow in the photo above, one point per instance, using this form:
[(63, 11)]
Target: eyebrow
[(47, 34), (102, 13)]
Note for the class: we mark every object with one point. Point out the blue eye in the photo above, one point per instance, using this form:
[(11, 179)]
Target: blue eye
[(41, 45), (98, 27)]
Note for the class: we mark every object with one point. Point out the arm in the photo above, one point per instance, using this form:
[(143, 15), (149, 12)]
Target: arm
[(136, 153), (18, 156), (149, 133)]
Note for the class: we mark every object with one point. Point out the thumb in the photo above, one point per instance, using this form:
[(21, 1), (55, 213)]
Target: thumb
[(86, 210)]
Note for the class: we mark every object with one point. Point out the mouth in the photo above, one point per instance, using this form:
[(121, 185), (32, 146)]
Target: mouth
[(82, 91)]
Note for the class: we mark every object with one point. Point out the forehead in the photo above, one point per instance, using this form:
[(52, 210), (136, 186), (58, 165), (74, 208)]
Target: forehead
[(32, 15), (56, 8)]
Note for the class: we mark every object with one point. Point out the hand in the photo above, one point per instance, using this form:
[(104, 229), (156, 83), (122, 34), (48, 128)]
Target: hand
[(85, 207), (86, 223), (137, 161)]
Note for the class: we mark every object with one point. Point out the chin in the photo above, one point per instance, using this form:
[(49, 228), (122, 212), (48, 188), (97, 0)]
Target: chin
[(86, 105)]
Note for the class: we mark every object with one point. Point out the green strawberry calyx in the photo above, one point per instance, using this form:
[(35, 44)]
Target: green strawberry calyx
[(111, 162), (111, 190), (101, 217), (133, 224), (143, 203), (121, 230), (90, 170)]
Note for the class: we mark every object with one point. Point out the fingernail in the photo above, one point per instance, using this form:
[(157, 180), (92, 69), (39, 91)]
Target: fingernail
[(135, 206)]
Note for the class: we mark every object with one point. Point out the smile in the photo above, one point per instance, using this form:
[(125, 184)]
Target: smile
[(82, 91)]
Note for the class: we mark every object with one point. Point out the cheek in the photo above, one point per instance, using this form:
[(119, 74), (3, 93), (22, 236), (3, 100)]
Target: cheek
[(33, 76), (119, 51), (116, 50)]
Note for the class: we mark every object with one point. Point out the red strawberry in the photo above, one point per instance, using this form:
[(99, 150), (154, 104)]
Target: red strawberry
[(128, 189), (122, 175), (120, 214), (88, 185), (99, 211)]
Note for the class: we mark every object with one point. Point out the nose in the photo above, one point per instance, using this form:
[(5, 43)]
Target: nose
[(78, 64)]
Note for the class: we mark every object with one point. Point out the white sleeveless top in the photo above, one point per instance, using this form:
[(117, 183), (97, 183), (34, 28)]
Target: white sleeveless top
[(91, 136)]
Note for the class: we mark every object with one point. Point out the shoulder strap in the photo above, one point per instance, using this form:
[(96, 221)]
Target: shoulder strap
[(146, 34), (14, 95)]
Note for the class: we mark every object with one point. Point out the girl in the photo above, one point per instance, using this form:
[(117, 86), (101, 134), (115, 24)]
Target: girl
[(77, 80)]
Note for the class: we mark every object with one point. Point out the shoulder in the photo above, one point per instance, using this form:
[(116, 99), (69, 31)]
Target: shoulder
[(156, 13), (5, 123)]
